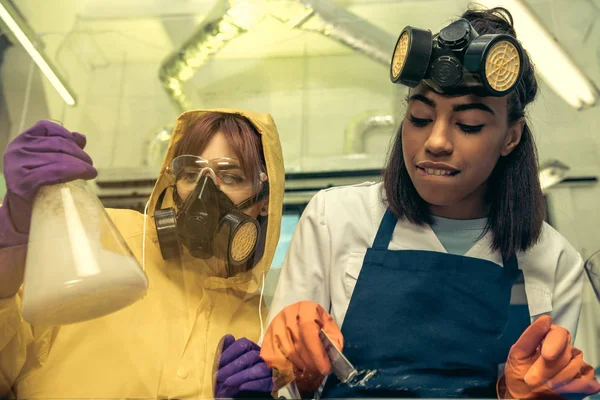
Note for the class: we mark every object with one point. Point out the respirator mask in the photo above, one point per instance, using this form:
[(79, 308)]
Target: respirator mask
[(458, 61), (207, 222)]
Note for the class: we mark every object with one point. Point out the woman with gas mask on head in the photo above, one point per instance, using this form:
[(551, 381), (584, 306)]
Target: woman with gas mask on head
[(206, 244), (414, 277)]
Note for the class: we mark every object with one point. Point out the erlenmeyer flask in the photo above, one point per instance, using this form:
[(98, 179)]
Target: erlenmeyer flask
[(78, 265)]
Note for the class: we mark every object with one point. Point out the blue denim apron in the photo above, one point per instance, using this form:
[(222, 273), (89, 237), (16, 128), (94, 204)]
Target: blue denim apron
[(430, 324)]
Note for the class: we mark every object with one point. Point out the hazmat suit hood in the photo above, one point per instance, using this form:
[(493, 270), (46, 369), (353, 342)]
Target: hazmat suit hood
[(252, 280)]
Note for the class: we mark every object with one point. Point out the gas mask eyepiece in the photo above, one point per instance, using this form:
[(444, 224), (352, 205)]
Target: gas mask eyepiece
[(457, 60)]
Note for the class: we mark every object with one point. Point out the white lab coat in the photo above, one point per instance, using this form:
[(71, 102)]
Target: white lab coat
[(339, 224)]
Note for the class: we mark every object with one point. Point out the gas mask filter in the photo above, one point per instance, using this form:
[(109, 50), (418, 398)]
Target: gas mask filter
[(208, 224), (457, 60)]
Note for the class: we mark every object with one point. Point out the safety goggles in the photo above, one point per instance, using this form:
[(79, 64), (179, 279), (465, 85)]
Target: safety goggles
[(227, 172)]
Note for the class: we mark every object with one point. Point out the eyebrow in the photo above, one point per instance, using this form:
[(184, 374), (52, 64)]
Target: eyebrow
[(473, 106), (456, 108), (422, 99)]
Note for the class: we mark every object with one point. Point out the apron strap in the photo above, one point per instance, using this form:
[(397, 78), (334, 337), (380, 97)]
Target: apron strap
[(385, 231), (511, 263)]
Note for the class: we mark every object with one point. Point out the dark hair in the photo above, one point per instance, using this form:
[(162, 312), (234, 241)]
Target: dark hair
[(517, 206), (240, 133)]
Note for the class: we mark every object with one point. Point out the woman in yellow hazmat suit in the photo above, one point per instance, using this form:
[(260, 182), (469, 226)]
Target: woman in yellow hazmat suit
[(164, 345)]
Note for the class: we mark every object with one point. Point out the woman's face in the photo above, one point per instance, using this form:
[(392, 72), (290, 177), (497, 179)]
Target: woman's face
[(451, 145), (219, 147)]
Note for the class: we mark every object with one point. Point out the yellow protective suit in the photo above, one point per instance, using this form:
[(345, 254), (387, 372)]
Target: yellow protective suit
[(163, 346)]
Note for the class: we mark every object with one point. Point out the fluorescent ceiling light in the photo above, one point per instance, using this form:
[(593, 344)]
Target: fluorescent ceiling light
[(38, 58), (551, 61)]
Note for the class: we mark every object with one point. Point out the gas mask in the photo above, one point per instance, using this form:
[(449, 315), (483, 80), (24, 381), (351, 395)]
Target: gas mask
[(207, 222), (458, 60)]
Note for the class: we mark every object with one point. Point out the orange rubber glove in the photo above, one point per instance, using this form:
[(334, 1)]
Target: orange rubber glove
[(543, 364), (293, 348)]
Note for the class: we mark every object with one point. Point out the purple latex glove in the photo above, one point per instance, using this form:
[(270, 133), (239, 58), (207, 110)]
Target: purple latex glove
[(45, 154), (242, 373)]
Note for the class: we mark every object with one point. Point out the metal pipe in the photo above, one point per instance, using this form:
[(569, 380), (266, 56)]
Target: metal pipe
[(223, 24), (361, 126), (233, 18), (157, 147), (351, 30)]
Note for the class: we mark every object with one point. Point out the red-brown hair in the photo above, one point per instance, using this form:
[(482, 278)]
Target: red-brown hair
[(239, 132)]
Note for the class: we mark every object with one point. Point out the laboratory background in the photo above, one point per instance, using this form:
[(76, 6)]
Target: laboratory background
[(121, 71)]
